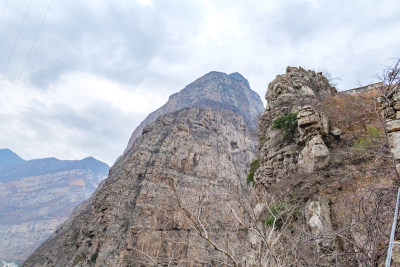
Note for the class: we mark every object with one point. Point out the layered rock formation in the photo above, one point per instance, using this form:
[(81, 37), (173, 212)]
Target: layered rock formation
[(293, 93), (189, 162), (340, 183), (36, 196), (391, 112), (177, 196), (213, 89)]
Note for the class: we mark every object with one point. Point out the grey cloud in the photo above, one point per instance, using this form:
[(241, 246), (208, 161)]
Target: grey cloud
[(123, 42), (119, 42), (99, 129), (115, 42)]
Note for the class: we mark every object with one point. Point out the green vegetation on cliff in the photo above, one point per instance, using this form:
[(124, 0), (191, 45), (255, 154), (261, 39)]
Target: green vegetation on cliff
[(254, 165), (288, 124)]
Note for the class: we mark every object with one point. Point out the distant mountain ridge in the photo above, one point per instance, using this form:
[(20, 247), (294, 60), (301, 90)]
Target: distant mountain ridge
[(49, 165), (9, 158), (37, 195), (216, 90)]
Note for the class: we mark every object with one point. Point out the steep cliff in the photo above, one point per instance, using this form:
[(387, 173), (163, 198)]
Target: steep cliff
[(190, 161), (390, 103), (295, 92), (213, 89), (326, 176), (36, 196), (320, 189)]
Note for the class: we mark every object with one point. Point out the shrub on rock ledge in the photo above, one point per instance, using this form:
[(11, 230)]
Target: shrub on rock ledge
[(288, 124), (254, 165)]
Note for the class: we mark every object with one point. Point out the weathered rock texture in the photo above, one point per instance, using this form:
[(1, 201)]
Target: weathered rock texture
[(339, 197), (391, 111), (200, 152), (213, 89), (197, 156), (343, 195), (293, 92), (37, 196)]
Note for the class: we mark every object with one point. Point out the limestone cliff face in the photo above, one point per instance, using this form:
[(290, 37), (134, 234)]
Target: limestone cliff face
[(196, 155), (295, 92), (37, 196), (339, 181), (324, 195), (391, 111), (215, 89), (195, 158)]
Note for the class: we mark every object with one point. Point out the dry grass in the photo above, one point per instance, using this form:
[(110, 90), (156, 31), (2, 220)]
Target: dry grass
[(353, 113)]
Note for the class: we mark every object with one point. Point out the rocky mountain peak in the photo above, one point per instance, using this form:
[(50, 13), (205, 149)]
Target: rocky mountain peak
[(9, 158), (216, 90), (297, 84), (197, 147), (197, 156), (239, 77)]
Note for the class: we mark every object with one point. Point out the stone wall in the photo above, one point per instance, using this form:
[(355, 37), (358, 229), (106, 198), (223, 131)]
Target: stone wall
[(363, 89), (390, 104)]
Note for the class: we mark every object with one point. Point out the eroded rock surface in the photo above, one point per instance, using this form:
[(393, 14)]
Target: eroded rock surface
[(134, 218), (391, 111), (215, 89), (195, 150), (294, 92), (318, 217)]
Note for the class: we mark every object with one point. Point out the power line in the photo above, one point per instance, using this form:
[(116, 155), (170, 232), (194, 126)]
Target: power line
[(34, 40), (2, 14), (28, 55), (16, 40), (5, 31)]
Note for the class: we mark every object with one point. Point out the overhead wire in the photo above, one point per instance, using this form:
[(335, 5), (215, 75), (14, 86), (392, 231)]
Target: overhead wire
[(6, 29), (35, 39), (44, 16), (16, 40), (2, 14)]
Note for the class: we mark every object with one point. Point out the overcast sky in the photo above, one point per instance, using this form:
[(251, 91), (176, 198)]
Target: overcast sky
[(97, 68)]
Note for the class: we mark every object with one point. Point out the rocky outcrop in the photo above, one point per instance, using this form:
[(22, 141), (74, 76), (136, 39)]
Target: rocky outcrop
[(318, 218), (215, 89), (339, 181), (37, 196), (312, 127), (390, 104), (295, 92), (293, 102)]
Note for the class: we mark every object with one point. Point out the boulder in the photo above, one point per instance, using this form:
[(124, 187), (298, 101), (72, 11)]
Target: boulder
[(314, 156)]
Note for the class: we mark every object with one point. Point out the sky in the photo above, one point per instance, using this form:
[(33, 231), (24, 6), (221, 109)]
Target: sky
[(77, 77)]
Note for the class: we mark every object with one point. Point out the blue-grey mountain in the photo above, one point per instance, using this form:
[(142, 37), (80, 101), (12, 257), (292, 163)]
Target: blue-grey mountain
[(36, 196), (9, 158)]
